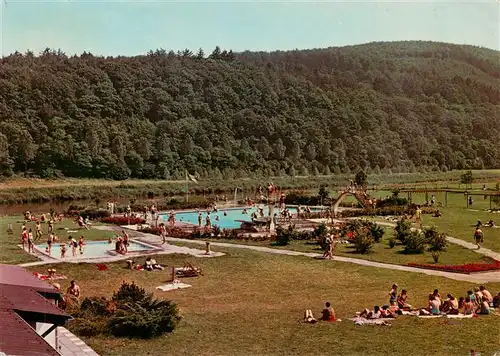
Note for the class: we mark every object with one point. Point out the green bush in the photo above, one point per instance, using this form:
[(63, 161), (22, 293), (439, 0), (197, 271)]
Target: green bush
[(435, 239), (414, 243), (144, 320), (402, 230), (320, 233), (392, 243), (129, 293), (363, 242), (376, 231), (283, 236)]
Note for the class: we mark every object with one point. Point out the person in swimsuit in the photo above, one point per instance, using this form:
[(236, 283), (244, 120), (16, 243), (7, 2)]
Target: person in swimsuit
[(50, 240), (73, 290), (31, 244), (393, 295), (81, 243), (125, 241)]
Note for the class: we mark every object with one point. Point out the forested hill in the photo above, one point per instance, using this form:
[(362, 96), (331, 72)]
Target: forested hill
[(382, 106)]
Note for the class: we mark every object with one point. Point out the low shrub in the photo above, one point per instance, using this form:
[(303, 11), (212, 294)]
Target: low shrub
[(363, 242), (402, 230), (414, 243), (122, 220), (436, 240), (392, 243), (283, 236), (376, 231), (131, 312)]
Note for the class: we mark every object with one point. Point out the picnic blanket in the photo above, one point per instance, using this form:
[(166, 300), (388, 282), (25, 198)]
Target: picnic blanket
[(460, 316), (363, 321), (173, 286)]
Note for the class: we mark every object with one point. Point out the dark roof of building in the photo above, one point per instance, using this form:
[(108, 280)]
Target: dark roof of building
[(18, 338), (18, 276), (26, 300), (21, 301)]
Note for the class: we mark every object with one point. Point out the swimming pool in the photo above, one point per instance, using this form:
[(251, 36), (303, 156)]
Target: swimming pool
[(93, 249), (228, 221)]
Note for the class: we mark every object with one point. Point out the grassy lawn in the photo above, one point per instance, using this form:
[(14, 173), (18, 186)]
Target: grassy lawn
[(381, 252), (250, 303), (10, 253)]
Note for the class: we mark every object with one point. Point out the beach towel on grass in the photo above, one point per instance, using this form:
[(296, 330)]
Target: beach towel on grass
[(430, 316), (173, 286), (459, 316), (363, 321)]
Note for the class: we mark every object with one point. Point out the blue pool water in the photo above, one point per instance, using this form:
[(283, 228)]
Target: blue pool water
[(92, 249), (225, 222)]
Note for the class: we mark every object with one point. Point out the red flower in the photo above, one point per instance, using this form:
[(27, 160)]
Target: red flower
[(466, 268)]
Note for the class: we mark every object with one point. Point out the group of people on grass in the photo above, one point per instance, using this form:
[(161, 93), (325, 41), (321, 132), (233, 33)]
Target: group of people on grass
[(476, 302)]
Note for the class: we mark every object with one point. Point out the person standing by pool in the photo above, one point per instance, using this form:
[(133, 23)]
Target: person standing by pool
[(208, 222), (31, 244), (153, 212), (125, 241), (38, 229), (24, 237), (200, 219), (163, 233), (74, 245), (50, 241), (81, 243), (50, 229)]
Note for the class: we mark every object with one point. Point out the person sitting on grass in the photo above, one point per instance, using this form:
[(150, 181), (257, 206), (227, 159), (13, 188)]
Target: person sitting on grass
[(468, 306), (486, 294), (471, 296), (433, 306), (309, 317), (496, 301), (328, 314), (483, 308), (450, 305), (387, 312), (436, 294), (151, 265), (437, 214), (402, 298), (374, 314)]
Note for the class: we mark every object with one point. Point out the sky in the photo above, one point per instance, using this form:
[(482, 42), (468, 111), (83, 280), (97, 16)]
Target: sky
[(115, 27)]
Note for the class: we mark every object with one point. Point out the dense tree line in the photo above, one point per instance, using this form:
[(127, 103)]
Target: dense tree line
[(396, 106)]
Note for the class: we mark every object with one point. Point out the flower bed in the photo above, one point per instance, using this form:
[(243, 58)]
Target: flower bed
[(467, 268), (122, 220)]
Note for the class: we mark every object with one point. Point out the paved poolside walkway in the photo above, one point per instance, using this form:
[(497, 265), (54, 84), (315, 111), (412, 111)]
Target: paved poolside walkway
[(70, 345)]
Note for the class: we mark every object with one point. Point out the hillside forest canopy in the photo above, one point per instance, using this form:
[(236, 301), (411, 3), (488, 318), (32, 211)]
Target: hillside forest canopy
[(381, 107)]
